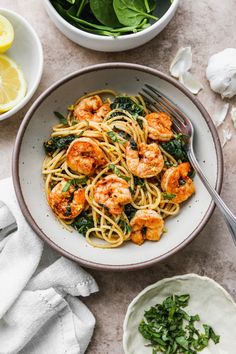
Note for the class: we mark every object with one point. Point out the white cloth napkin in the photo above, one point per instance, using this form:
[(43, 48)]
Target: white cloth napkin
[(39, 313)]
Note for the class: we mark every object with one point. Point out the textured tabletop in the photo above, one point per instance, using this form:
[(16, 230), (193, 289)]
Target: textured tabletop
[(208, 26)]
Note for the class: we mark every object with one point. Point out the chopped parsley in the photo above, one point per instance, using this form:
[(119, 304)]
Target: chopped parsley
[(171, 330)]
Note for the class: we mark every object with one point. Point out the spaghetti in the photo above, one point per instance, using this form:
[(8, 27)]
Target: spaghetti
[(112, 127)]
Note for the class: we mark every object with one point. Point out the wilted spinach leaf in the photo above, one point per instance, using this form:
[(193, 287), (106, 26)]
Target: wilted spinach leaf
[(83, 223), (176, 148), (55, 143), (127, 104)]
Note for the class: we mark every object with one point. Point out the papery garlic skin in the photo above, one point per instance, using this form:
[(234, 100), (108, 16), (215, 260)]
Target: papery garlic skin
[(221, 72), (182, 62), (190, 82)]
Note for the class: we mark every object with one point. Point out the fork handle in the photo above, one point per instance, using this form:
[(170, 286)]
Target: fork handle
[(229, 217)]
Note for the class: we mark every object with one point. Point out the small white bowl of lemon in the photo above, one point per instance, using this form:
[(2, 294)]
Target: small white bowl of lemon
[(21, 62)]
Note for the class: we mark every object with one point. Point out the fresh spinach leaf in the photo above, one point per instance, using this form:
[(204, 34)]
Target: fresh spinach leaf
[(104, 12), (131, 12)]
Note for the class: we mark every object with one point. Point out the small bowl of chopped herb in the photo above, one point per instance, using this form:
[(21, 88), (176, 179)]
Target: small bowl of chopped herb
[(186, 314), (111, 25)]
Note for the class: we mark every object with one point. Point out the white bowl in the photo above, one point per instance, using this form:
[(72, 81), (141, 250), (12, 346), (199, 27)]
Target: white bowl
[(207, 298), (29, 155), (111, 44), (27, 53)]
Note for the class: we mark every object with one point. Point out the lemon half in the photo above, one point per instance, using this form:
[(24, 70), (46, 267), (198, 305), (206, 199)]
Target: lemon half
[(6, 34), (12, 84)]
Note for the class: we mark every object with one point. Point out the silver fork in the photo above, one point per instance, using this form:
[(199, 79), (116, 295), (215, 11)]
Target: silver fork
[(160, 102)]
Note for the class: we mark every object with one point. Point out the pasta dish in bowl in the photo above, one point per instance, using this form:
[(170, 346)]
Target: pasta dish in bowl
[(115, 170), (115, 174)]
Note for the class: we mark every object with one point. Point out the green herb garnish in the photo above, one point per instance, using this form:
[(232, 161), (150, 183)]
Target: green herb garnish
[(76, 182), (171, 330), (168, 195), (61, 118), (117, 172), (125, 227), (114, 137)]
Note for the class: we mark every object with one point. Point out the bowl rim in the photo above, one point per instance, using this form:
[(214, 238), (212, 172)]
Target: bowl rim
[(173, 7), (17, 147), (38, 76)]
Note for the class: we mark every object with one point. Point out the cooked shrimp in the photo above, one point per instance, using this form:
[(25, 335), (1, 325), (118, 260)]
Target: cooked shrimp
[(146, 225), (159, 126), (145, 162), (102, 112), (176, 181), (91, 108), (69, 204), (84, 156), (112, 192)]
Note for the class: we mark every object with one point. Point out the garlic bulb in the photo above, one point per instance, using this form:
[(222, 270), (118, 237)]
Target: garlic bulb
[(221, 72)]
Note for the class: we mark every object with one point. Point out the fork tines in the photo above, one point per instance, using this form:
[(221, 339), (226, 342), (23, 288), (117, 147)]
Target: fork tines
[(159, 102)]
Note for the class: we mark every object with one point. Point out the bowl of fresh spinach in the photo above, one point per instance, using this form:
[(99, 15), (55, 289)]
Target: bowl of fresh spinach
[(111, 25)]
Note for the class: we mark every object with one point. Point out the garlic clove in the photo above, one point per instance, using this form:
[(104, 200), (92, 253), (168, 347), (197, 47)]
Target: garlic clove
[(182, 62), (221, 114), (190, 82), (221, 72)]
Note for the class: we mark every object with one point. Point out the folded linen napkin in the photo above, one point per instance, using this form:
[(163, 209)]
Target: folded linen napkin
[(38, 310)]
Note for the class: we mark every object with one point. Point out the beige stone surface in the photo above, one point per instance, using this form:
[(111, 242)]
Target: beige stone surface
[(207, 26)]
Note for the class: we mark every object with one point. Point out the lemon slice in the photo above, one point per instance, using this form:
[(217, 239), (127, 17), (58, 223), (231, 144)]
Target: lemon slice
[(6, 34), (12, 84)]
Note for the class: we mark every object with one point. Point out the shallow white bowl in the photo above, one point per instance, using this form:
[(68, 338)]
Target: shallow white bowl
[(207, 298), (27, 53), (29, 155), (110, 44)]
